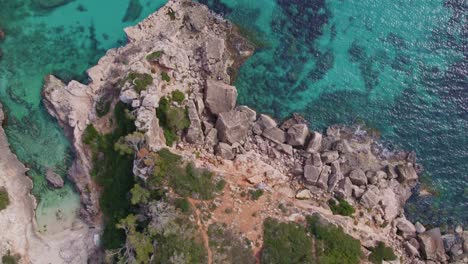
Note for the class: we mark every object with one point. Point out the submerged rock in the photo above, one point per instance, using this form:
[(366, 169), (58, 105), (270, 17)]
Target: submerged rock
[(54, 179)]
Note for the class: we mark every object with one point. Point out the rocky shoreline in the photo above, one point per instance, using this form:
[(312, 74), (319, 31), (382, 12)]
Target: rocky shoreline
[(20, 234), (185, 48)]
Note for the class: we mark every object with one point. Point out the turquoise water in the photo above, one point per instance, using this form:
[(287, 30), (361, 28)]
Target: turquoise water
[(65, 41), (399, 67)]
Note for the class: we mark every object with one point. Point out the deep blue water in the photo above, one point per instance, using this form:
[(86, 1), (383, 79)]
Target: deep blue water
[(397, 67)]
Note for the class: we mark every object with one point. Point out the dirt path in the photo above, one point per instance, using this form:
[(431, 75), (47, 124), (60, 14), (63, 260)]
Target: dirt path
[(202, 230)]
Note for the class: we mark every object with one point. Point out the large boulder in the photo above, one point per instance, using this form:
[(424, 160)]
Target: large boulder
[(344, 189), (315, 142), (406, 173), (432, 246), (297, 135), (323, 179), (224, 151), (370, 198), (195, 132), (251, 114), (390, 204), (275, 134), (314, 160), (358, 177), (405, 228), (220, 97), (330, 156), (311, 174), (232, 126)]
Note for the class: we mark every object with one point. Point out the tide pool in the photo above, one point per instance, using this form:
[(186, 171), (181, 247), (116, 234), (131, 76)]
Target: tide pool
[(397, 67)]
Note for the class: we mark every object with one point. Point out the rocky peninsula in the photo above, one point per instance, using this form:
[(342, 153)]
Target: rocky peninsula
[(203, 169)]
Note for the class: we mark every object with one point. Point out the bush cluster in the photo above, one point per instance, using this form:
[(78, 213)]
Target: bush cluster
[(172, 119), (381, 253), (140, 81), (114, 173), (342, 208), (4, 199), (154, 55)]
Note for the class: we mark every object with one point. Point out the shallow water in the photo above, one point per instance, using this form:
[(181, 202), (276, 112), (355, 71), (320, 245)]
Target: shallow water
[(397, 66), (65, 41)]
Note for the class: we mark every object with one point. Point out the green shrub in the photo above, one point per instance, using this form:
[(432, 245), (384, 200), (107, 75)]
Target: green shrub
[(178, 96), (185, 179), (103, 106), (332, 245), (4, 199), (171, 13), (285, 243), (229, 247), (140, 81), (381, 253), (165, 77), (114, 173), (154, 55), (183, 204), (342, 208), (9, 259), (255, 194), (171, 119)]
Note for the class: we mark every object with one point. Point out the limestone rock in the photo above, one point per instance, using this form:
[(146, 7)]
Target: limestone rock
[(251, 114), (194, 133), (432, 246), (330, 156), (344, 189), (315, 142), (411, 250), (303, 194), (357, 192), (311, 174), (128, 96), (315, 160), (224, 151), (288, 149), (323, 179), (297, 135), (406, 173), (54, 179), (390, 204), (419, 228), (275, 134), (220, 97), (266, 122), (405, 228), (294, 120), (232, 126), (358, 177), (333, 180), (369, 199)]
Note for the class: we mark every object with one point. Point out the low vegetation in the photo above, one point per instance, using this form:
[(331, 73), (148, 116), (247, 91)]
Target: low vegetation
[(4, 199), (113, 172), (184, 178), (381, 253), (312, 242), (154, 55), (332, 244), (165, 77), (172, 119), (140, 81), (228, 247), (9, 259), (255, 194), (178, 96), (285, 243), (342, 208)]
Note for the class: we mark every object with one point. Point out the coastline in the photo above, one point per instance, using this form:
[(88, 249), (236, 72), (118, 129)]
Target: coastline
[(19, 228), (74, 107)]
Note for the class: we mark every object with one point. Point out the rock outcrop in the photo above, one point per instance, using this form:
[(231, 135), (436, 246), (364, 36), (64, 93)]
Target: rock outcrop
[(195, 53)]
